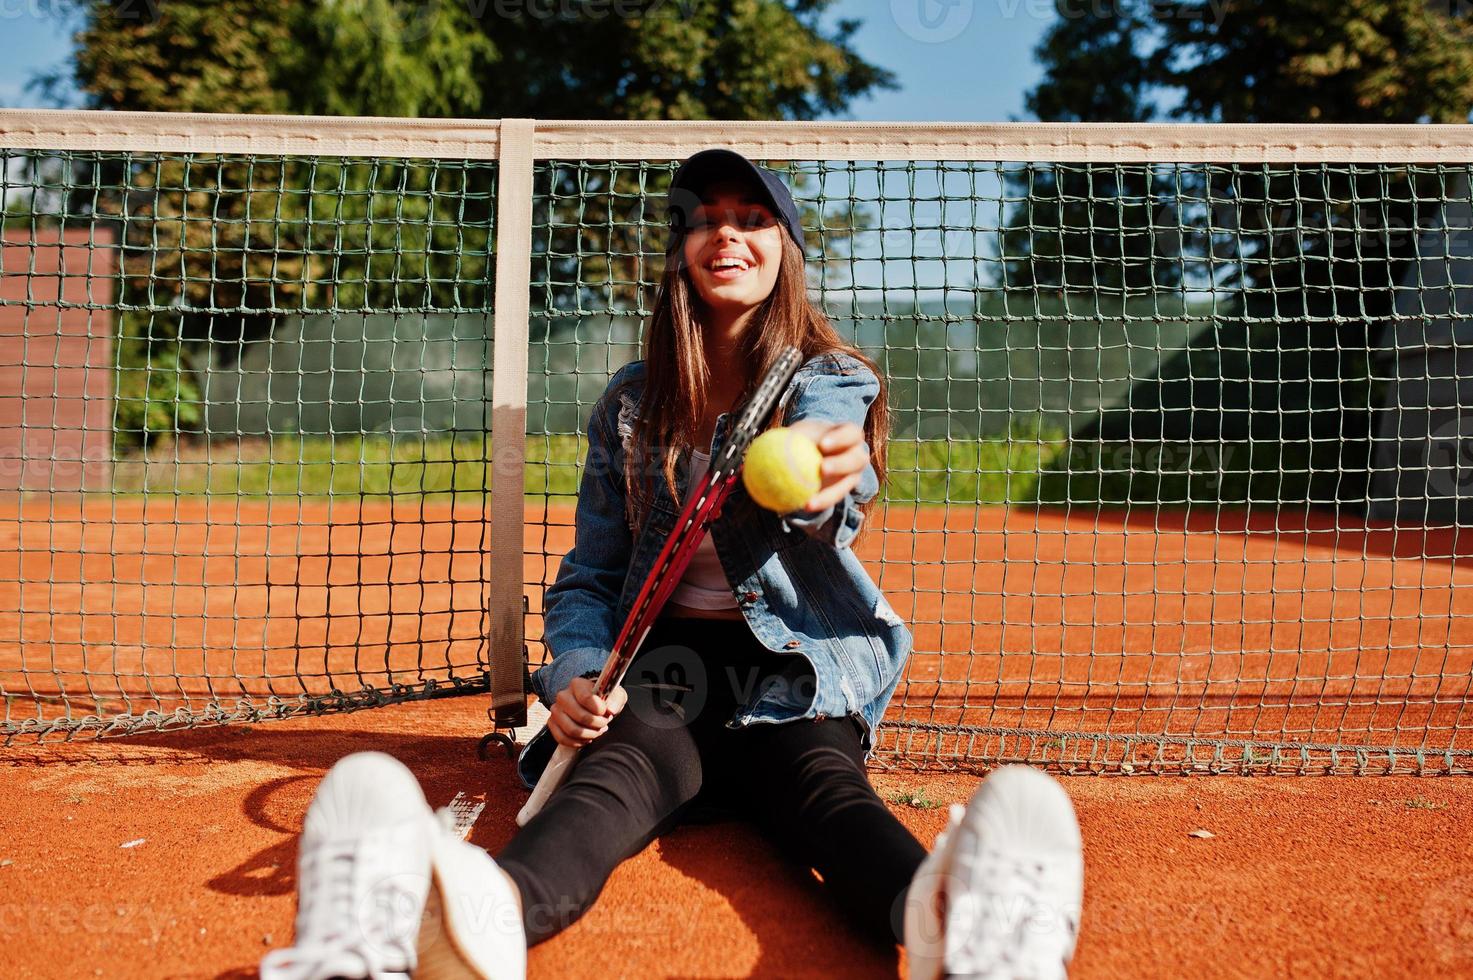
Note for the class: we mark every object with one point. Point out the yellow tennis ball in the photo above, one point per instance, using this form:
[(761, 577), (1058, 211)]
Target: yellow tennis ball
[(781, 469)]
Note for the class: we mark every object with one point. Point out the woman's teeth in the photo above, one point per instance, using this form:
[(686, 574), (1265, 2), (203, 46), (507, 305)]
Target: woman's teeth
[(728, 268)]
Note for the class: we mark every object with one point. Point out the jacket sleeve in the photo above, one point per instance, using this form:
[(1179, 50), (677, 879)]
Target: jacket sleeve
[(579, 607), (837, 397)]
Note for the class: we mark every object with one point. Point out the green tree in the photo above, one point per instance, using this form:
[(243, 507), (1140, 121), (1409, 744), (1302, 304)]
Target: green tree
[(663, 59), (334, 57), (216, 249), (1258, 61), (1307, 254), (648, 60), (1059, 235), (1355, 61)]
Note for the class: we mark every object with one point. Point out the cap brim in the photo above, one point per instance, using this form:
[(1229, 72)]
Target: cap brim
[(708, 166)]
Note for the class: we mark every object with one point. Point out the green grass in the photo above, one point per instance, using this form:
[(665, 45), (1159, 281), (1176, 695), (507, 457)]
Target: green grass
[(929, 472), (983, 471), (1029, 466), (351, 466), (914, 798), (380, 466)]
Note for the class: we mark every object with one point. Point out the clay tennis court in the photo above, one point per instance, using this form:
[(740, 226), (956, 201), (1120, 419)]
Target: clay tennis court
[(1218, 626), (172, 853)]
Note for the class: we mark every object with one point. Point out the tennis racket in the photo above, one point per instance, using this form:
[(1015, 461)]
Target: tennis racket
[(701, 507)]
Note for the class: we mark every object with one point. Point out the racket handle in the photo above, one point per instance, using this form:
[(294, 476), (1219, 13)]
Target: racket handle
[(552, 777)]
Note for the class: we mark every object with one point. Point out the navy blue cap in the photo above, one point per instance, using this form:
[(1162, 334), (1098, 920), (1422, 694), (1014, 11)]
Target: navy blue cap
[(709, 165)]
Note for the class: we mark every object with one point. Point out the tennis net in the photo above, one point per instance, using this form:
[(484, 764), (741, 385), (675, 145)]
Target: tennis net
[(1179, 456)]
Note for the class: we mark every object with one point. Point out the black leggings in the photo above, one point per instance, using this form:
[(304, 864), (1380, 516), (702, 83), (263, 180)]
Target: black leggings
[(668, 758)]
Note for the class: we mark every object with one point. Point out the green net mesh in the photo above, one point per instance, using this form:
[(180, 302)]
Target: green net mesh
[(1179, 463)]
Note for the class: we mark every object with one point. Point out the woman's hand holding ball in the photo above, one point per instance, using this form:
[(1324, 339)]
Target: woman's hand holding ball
[(809, 465)]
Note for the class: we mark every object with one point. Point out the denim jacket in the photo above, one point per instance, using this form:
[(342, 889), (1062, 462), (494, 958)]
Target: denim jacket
[(797, 582)]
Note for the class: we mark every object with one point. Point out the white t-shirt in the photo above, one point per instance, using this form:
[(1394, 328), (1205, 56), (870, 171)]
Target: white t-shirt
[(703, 586)]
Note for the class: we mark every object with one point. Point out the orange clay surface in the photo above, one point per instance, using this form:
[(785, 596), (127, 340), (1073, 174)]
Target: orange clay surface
[(1263, 626), (174, 856)]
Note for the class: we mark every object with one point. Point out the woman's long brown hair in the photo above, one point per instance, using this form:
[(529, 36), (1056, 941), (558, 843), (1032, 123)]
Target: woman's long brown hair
[(677, 384)]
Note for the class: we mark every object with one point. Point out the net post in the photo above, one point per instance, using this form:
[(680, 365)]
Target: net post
[(509, 419)]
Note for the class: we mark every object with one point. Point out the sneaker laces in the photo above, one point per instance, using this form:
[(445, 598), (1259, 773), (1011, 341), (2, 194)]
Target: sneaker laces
[(343, 934), (1009, 924)]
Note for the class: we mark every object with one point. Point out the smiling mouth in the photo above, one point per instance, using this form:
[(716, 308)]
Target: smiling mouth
[(728, 268)]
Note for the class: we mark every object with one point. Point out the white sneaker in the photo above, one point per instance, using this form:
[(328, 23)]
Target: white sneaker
[(1000, 894), (385, 887)]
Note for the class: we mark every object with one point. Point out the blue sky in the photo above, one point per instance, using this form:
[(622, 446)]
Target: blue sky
[(956, 60)]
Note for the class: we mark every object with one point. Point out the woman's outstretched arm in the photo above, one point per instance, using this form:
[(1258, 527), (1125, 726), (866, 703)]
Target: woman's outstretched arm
[(833, 407)]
